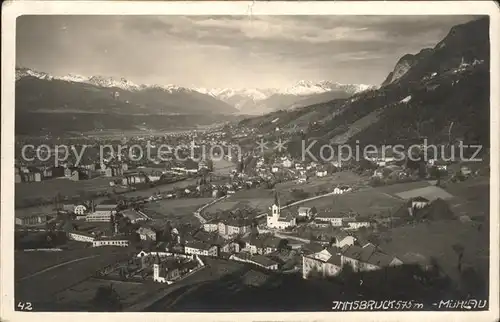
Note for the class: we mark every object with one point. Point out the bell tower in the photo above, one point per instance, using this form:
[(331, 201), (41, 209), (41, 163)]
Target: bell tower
[(276, 206), (156, 268)]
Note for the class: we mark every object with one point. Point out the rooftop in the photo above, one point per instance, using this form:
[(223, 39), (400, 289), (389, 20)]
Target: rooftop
[(124, 238), (131, 214), (199, 245), (367, 254), (108, 202), (263, 260)]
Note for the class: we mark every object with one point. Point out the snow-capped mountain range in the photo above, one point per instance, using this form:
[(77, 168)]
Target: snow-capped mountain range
[(100, 81), (245, 100), (301, 94), (301, 88)]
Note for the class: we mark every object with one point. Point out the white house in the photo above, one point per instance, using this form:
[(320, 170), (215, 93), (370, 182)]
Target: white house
[(287, 163), (260, 162), (110, 242), (210, 226), (325, 263), (466, 171), (343, 239), (419, 202), (78, 236), (80, 210), (304, 212), (146, 233), (99, 216), (199, 248), (355, 223), (334, 218), (321, 173), (165, 271), (341, 189), (367, 258), (302, 178), (259, 260), (134, 216), (233, 227)]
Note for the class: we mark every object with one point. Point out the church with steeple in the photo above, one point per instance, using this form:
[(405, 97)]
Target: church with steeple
[(278, 220)]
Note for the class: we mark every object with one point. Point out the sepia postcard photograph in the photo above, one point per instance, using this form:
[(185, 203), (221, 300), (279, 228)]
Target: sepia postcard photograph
[(309, 159)]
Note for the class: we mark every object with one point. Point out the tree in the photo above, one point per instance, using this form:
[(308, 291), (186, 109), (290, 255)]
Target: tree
[(365, 164), (283, 244), (434, 173), (314, 273), (299, 194), (473, 283), (459, 250), (106, 299), (376, 182)]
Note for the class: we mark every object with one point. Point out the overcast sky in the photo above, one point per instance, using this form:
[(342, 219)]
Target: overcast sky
[(226, 51)]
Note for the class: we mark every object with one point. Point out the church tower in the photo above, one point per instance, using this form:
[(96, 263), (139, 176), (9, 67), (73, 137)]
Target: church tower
[(156, 268), (276, 206), (272, 219)]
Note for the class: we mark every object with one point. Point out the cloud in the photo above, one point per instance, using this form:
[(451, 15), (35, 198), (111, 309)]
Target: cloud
[(227, 51)]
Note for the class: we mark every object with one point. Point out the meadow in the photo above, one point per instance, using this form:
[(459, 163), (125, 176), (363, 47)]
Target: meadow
[(436, 240), (48, 189), (50, 278), (368, 201)]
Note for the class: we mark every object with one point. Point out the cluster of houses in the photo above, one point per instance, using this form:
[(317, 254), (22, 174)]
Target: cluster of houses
[(91, 212), (33, 220), (347, 250), (111, 168), (347, 221), (84, 171), (161, 267), (300, 171), (229, 227), (168, 269)]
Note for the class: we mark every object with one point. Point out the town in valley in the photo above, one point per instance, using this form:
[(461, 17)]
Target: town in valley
[(167, 199)]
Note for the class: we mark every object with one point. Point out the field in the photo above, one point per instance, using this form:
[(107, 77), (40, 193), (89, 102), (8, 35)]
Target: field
[(472, 198), (49, 188), (364, 202), (178, 206), (27, 263), (260, 199), (178, 211), (160, 188), (436, 239), (394, 189), (262, 204), (57, 272), (316, 184), (223, 167), (430, 193), (38, 188), (82, 293)]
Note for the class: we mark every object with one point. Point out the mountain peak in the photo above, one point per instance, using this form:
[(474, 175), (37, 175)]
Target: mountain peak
[(98, 80)]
